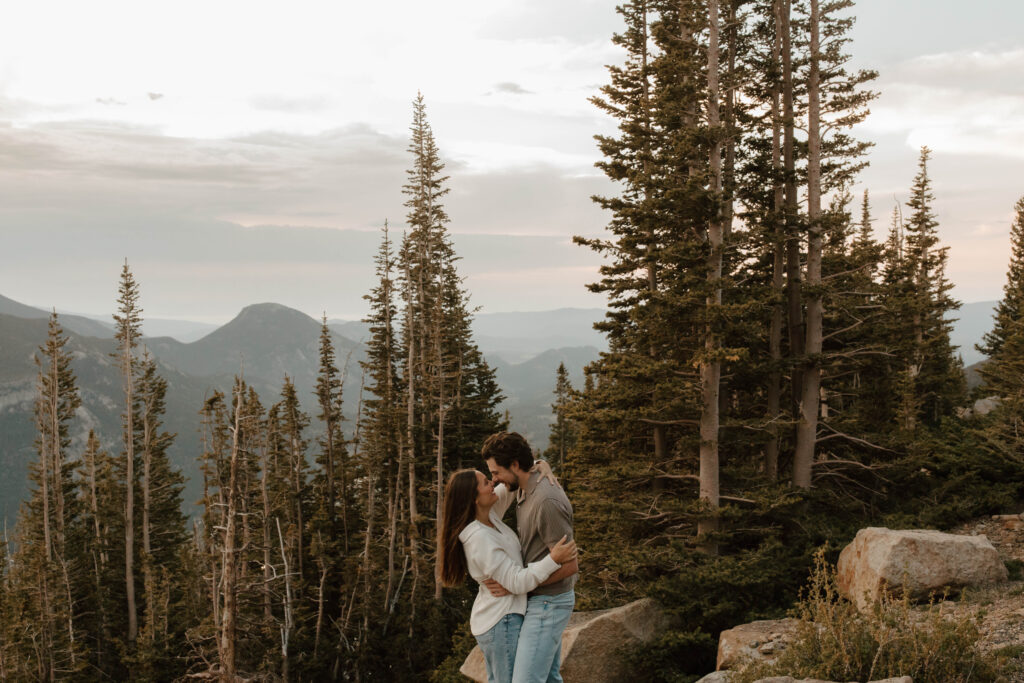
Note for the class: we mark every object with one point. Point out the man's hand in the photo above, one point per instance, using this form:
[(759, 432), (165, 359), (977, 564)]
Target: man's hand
[(497, 590)]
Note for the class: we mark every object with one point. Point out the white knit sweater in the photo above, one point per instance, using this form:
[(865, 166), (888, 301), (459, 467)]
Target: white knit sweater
[(496, 554)]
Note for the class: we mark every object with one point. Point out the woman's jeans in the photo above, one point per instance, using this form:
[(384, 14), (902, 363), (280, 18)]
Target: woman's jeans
[(539, 655), (499, 648)]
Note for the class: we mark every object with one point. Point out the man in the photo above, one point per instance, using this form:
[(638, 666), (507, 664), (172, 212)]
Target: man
[(543, 516)]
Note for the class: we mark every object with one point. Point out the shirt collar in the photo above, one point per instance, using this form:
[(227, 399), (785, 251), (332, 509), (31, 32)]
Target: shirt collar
[(531, 485)]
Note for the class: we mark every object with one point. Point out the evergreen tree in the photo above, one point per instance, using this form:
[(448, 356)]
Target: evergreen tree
[(425, 253), (1003, 375), (333, 454), (1011, 307), (447, 394), (851, 381), (48, 566), (128, 330), (9, 662), (101, 501), (287, 475), (635, 158), (562, 438), (163, 526), (380, 448), (215, 467), (331, 525), (936, 373)]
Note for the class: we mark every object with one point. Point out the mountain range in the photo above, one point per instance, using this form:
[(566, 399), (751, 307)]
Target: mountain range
[(267, 341), (263, 343)]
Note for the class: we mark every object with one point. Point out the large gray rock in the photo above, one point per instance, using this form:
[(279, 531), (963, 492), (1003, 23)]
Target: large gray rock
[(725, 676), (921, 562), (592, 641), (790, 679), (717, 677), (756, 641)]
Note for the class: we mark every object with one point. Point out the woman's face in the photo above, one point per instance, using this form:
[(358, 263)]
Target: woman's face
[(485, 496)]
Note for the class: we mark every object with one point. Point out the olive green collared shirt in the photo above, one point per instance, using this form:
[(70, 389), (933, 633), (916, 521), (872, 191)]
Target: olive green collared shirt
[(543, 516)]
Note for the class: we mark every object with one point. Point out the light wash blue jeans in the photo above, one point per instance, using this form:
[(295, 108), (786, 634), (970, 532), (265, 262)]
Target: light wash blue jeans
[(539, 656), (499, 648)]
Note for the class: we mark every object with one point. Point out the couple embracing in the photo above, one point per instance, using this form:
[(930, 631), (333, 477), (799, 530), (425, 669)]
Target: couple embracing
[(526, 581)]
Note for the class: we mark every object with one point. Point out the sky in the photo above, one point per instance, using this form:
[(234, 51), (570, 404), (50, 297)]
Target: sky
[(240, 152)]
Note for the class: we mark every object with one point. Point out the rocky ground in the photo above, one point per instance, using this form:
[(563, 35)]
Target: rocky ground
[(1001, 607)]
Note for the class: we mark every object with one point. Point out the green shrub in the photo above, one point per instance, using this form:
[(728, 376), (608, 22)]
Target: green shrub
[(659, 660), (1010, 659), (463, 643), (834, 641), (1015, 570)]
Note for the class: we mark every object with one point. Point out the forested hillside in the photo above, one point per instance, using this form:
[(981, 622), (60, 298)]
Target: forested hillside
[(264, 342), (772, 376)]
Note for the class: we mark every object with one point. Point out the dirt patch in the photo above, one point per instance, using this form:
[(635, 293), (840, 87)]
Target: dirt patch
[(1000, 607)]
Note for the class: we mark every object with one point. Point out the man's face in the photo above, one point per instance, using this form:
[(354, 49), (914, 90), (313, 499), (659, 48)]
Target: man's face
[(503, 475)]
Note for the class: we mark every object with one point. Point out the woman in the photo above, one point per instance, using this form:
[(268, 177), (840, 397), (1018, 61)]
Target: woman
[(474, 540)]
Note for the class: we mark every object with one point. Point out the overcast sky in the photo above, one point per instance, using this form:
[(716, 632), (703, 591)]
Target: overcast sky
[(240, 152)]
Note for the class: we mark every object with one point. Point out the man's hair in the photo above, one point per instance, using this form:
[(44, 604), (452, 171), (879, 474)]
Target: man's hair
[(507, 448)]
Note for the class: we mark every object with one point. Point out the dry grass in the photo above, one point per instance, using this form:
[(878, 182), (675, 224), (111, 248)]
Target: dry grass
[(836, 642)]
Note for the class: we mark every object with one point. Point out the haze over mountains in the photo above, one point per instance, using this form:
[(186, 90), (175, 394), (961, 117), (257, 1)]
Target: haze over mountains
[(267, 341), (264, 342)]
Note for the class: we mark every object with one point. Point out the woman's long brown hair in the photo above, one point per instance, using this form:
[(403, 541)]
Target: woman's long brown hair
[(459, 510)]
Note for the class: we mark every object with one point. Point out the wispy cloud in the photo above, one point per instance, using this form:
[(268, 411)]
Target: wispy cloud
[(962, 102), (88, 193), (298, 104), (512, 88)]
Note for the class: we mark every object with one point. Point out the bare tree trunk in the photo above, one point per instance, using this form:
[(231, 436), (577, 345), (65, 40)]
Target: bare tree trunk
[(807, 428), (268, 573), (331, 511), (795, 312), (440, 425), (127, 366), (344, 468), (44, 460), (371, 494), (659, 432), (229, 588), (710, 367), (394, 492), (49, 669), (411, 461), (98, 555), (70, 612), (320, 604), (729, 120), (149, 630), (286, 628), (297, 475), (771, 466), (57, 456), (410, 434)]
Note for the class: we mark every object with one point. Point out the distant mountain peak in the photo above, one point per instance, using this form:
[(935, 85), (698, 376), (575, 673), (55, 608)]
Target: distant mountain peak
[(271, 312), (270, 306)]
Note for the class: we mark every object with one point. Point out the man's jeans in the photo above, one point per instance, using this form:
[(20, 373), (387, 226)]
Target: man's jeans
[(499, 648), (539, 655)]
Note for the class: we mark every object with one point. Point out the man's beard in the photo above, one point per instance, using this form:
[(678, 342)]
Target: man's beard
[(514, 486)]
